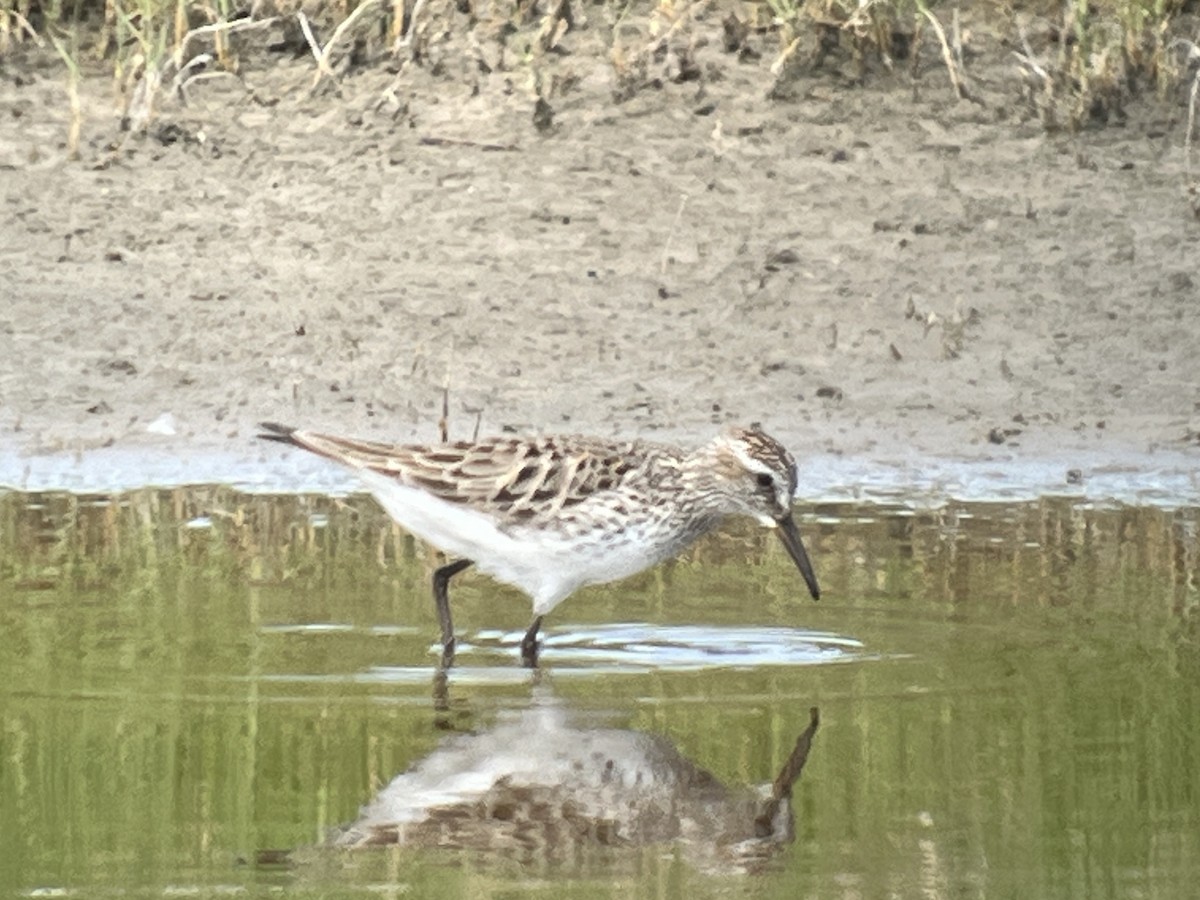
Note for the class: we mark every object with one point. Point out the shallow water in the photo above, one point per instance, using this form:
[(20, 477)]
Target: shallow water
[(1009, 699)]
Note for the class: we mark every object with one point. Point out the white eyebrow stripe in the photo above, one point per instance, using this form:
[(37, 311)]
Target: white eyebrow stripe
[(749, 462)]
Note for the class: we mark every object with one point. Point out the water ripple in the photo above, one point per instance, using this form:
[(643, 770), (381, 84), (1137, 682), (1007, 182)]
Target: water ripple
[(644, 647)]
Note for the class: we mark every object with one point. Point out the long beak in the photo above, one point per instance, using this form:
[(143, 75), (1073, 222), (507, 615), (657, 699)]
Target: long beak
[(790, 535)]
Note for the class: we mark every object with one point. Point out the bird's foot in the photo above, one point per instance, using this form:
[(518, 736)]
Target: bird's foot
[(529, 652), (529, 645)]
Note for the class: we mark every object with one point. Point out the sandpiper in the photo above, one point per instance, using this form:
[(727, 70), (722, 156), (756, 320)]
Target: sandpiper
[(552, 514)]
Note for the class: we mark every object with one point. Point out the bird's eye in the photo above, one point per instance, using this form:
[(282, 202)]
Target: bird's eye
[(765, 480)]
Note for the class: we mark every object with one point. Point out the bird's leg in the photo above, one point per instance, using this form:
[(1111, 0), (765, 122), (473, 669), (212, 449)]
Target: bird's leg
[(529, 644), (441, 690), (441, 582)]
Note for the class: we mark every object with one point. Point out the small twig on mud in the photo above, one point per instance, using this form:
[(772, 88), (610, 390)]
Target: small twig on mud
[(1029, 55), (1192, 187), (434, 141), (1191, 121), (233, 27), (1028, 62), (314, 48), (323, 68), (788, 52), (140, 109), (683, 19), (1036, 77), (1030, 67), (209, 76), (1193, 96), (406, 39), (956, 30), (141, 103), (666, 252), (182, 77), (75, 126), (555, 24), (444, 421), (960, 87), (26, 27)]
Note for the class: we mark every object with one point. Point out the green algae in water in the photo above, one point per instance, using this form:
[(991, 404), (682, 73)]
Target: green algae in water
[(1010, 697)]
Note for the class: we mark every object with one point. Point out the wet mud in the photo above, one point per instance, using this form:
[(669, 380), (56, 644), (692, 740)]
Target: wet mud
[(873, 269)]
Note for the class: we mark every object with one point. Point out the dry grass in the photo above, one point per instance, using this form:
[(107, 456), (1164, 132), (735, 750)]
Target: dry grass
[(1086, 60), (1081, 60), (69, 57)]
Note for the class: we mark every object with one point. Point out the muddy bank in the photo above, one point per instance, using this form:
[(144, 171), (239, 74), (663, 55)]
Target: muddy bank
[(890, 280)]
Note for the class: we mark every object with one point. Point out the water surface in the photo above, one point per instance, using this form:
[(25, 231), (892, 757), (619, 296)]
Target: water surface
[(1009, 695)]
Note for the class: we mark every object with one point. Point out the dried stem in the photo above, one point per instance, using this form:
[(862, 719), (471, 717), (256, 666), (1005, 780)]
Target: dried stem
[(666, 252), (406, 38), (345, 25), (956, 79), (315, 48), (76, 124), (24, 25), (1192, 187), (444, 421), (216, 28)]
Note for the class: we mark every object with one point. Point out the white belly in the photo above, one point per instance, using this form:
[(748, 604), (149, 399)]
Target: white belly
[(547, 566)]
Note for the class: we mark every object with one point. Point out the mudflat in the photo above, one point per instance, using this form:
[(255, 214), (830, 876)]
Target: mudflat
[(665, 243)]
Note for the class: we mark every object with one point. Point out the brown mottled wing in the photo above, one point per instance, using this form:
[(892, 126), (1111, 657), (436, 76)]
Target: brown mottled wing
[(516, 479)]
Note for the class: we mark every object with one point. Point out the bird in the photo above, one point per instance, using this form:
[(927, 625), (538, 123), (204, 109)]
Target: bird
[(549, 514), (567, 784)]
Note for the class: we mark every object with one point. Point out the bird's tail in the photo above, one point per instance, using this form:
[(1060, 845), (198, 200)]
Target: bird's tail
[(273, 431)]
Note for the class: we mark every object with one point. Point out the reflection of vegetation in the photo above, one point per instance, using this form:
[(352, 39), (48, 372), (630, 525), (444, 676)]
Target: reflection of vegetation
[(1053, 551), (1032, 730)]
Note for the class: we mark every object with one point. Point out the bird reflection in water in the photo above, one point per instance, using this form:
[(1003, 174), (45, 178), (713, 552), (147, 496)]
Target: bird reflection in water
[(540, 786)]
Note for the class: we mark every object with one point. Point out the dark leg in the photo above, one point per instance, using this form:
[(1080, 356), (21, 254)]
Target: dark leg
[(441, 582), (529, 644), (441, 691)]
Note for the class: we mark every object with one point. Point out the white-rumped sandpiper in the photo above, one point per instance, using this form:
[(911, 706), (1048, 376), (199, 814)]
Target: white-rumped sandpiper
[(552, 514)]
